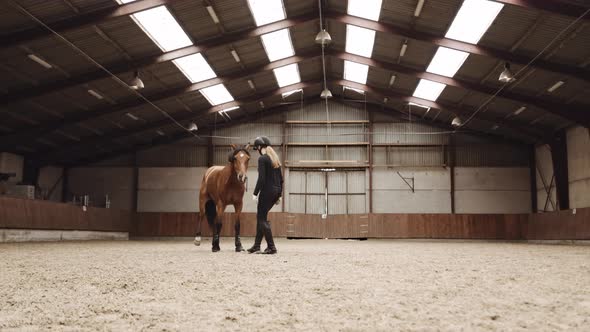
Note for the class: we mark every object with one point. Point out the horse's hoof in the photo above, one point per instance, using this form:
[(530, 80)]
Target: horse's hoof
[(197, 241), (240, 249), (215, 249)]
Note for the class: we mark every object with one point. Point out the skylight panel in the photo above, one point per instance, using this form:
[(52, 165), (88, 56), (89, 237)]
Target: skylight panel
[(369, 9), (359, 40), (217, 94), (355, 72), (473, 20), (278, 45), (287, 75), (162, 28), (447, 62), (195, 67), (267, 11), (428, 90)]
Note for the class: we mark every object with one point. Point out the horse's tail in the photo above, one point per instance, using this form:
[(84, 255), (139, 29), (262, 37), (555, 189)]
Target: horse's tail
[(211, 212)]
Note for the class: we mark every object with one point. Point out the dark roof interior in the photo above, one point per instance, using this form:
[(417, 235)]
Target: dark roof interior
[(48, 113)]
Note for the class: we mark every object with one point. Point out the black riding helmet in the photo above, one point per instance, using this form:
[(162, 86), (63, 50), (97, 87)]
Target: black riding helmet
[(261, 142)]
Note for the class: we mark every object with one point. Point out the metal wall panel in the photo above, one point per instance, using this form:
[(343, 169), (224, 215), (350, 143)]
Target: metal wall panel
[(316, 182), (244, 133), (337, 204), (357, 182), (296, 204), (296, 182), (306, 153), (492, 155), (336, 111), (323, 133), (356, 204), (408, 133), (173, 156), (315, 204), (409, 156), (337, 182), (358, 153)]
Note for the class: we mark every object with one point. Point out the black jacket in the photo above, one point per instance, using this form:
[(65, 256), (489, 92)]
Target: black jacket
[(269, 179)]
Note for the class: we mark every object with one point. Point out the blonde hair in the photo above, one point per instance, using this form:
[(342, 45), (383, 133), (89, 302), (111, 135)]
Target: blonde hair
[(276, 162)]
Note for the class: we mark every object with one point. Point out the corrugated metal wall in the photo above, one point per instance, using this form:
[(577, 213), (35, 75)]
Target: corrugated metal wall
[(421, 150), (336, 111), (246, 133), (173, 156), (408, 133)]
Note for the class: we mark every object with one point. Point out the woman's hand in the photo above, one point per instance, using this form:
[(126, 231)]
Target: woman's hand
[(278, 201), (255, 198)]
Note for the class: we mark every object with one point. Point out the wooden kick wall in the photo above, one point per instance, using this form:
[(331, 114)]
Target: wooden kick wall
[(34, 214)]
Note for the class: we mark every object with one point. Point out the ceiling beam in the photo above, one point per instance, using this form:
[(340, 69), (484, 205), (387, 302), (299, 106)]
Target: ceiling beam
[(450, 107), (574, 71), (85, 160), (49, 157), (89, 143), (80, 21), (127, 66), (79, 117), (551, 6), (575, 113)]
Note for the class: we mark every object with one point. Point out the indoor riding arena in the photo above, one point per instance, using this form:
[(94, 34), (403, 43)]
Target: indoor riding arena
[(434, 165)]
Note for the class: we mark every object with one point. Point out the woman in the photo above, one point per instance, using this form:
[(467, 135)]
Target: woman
[(270, 188)]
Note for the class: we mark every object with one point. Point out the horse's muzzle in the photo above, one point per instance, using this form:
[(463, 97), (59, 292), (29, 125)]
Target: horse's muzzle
[(242, 178)]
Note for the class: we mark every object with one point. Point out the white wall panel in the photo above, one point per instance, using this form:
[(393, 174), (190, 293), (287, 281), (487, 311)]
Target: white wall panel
[(405, 201), (492, 190), (472, 201), (492, 178), (578, 150), (425, 179), (168, 200), (170, 178)]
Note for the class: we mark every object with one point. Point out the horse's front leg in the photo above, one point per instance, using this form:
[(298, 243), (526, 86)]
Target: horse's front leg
[(238, 208), (220, 206)]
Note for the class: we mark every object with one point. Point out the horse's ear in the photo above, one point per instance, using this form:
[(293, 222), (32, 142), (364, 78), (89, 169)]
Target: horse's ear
[(233, 146), (247, 147)]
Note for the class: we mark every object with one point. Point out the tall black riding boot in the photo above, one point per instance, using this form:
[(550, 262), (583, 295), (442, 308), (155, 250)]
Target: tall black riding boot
[(257, 240), (270, 248)]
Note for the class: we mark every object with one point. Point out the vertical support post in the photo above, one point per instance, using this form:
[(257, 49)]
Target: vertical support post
[(370, 147), (533, 179), (559, 158), (452, 159), (31, 172), (283, 156), (210, 150), (135, 181), (65, 184)]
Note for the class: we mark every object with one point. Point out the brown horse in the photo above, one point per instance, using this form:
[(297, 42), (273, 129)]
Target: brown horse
[(223, 186)]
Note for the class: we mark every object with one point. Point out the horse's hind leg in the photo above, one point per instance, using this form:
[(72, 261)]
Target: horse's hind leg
[(238, 208), (200, 216)]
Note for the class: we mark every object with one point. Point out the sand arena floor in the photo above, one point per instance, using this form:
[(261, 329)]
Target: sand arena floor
[(315, 285)]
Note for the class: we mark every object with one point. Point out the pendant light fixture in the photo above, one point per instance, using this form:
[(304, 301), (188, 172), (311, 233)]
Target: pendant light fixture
[(506, 76), (136, 83)]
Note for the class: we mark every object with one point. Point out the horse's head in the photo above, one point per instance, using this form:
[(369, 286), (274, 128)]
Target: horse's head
[(239, 158)]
